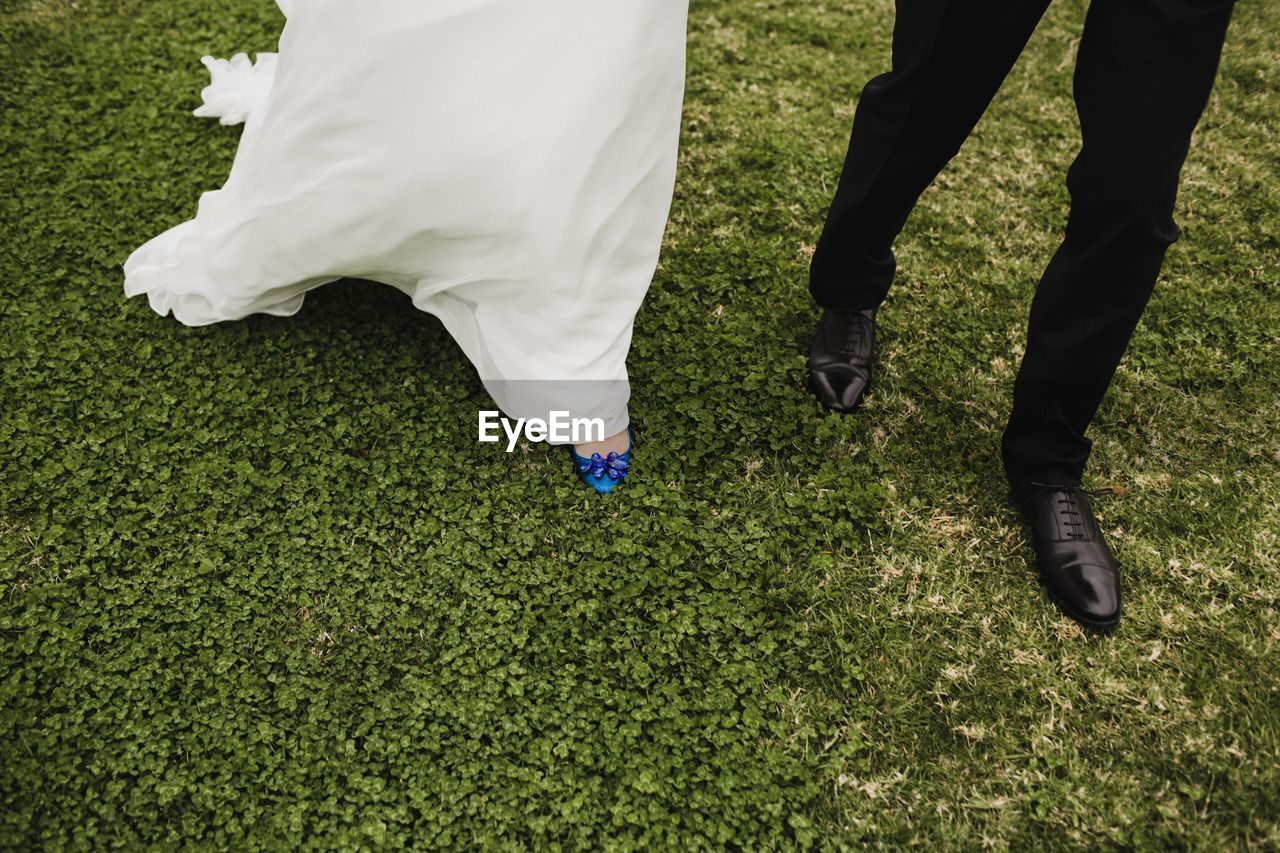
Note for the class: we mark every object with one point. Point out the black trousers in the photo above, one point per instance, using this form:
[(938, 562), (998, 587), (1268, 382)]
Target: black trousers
[(1143, 76)]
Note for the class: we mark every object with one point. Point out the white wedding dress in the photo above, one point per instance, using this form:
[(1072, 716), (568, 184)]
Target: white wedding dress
[(508, 164)]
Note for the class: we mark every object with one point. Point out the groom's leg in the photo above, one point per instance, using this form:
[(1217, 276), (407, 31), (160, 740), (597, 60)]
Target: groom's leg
[(949, 59), (1143, 77)]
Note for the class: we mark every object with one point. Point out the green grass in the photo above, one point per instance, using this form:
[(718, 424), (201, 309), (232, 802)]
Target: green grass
[(260, 587)]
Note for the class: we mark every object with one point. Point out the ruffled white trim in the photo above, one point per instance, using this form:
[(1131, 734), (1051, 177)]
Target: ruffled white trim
[(237, 86)]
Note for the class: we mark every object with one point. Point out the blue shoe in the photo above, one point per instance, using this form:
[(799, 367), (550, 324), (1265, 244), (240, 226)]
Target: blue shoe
[(603, 473)]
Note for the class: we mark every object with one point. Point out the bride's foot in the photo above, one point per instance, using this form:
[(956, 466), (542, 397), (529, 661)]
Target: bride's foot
[(602, 465)]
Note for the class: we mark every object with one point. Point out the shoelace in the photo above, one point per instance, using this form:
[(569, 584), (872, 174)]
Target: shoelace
[(854, 336), (1069, 512)]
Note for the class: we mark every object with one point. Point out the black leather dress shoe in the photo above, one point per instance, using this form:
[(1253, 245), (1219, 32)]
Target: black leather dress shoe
[(1076, 566), (840, 358)]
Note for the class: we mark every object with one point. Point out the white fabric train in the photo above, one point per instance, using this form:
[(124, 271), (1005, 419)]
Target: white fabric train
[(507, 164)]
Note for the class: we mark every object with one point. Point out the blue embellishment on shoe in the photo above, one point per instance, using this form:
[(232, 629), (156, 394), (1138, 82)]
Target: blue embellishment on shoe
[(612, 466), (603, 473)]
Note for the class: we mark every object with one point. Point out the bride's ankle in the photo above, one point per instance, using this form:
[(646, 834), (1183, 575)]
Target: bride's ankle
[(618, 443)]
